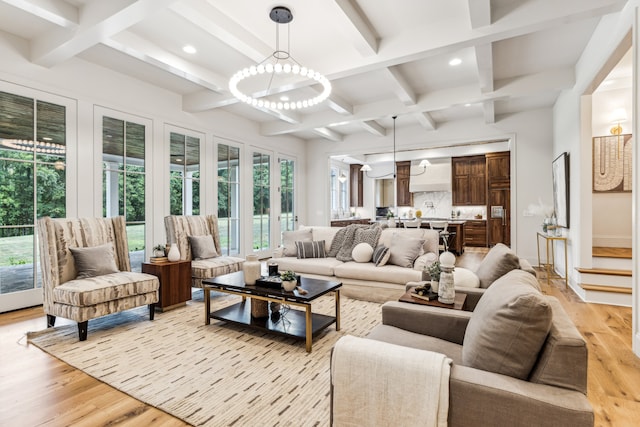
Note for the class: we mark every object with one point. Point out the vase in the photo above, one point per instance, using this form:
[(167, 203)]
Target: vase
[(289, 285), (391, 223), (435, 285), (446, 291), (174, 253), (251, 269)]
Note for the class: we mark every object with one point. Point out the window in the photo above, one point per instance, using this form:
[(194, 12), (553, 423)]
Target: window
[(287, 205), (338, 190), (228, 198), (123, 180), (261, 201), (184, 167), (33, 140)]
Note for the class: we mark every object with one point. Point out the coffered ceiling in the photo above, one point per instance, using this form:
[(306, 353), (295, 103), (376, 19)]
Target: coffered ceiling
[(383, 58)]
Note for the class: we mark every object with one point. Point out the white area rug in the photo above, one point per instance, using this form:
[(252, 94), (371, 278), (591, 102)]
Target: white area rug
[(214, 375)]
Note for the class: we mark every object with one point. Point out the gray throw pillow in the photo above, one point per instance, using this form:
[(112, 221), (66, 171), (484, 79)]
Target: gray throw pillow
[(289, 239), (314, 249), (508, 327), (499, 261), (381, 255), (94, 261), (404, 251), (202, 247)]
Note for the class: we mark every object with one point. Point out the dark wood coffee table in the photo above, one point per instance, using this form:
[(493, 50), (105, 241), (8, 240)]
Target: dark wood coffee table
[(296, 323), (458, 303)]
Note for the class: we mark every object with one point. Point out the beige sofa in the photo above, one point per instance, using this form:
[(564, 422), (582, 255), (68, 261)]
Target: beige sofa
[(517, 360), (361, 280)]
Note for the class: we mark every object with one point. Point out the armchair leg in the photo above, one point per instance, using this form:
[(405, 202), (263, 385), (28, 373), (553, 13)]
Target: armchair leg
[(152, 311), (82, 330), (51, 321)]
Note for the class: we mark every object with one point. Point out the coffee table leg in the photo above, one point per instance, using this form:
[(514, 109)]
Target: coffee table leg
[(309, 327), (207, 305), (337, 310)]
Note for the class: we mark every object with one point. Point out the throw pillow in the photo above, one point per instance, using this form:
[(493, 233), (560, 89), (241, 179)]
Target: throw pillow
[(313, 249), (202, 247), (499, 261), (362, 252), (289, 239), (508, 327), (465, 278), (94, 261), (381, 255), (404, 251)]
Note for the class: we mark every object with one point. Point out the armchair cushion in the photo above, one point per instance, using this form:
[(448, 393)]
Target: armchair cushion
[(508, 327), (104, 288), (94, 261), (499, 261), (202, 247)]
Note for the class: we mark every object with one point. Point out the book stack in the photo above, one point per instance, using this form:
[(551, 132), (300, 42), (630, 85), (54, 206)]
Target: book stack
[(158, 259), (426, 296)]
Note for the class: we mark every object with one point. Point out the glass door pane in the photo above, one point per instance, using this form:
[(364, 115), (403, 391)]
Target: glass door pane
[(261, 201), (288, 216)]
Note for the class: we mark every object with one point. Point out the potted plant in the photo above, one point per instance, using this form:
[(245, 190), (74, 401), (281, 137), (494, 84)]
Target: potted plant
[(391, 222), (434, 272), (289, 280), (158, 251)]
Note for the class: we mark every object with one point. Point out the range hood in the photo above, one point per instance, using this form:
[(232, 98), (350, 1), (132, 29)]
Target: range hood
[(436, 177)]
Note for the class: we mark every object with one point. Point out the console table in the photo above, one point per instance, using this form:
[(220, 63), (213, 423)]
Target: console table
[(175, 282), (550, 260)]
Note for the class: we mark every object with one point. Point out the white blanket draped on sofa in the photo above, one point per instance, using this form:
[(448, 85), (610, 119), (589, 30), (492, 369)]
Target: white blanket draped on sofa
[(420, 389)]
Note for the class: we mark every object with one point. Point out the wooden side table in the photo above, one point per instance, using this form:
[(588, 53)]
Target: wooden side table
[(175, 282), (458, 304)]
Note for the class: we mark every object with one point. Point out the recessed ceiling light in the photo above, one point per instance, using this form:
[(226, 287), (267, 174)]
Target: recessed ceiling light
[(284, 98), (189, 49), (455, 61)]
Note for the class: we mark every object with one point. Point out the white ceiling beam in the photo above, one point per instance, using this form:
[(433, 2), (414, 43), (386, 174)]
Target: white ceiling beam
[(338, 104), (145, 51), (558, 79), (400, 86), (328, 134), (212, 21), (57, 12), (489, 112), (363, 32), (99, 20), (479, 13), (484, 62), (425, 120), (205, 100), (374, 128), (286, 117)]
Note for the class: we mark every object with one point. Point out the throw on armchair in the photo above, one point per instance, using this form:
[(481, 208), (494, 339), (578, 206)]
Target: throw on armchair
[(198, 241), (86, 272), (518, 360)]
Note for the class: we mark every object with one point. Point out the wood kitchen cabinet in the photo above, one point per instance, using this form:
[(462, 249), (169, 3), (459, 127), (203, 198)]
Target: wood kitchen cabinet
[(475, 233), (403, 174), (498, 166), (499, 198), (468, 181), (355, 187)]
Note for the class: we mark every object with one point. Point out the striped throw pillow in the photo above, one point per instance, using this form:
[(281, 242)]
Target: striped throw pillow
[(381, 255), (313, 249)]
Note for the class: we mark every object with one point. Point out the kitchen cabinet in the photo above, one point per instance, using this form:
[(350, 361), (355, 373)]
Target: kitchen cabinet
[(468, 181), (476, 233), (355, 186), (499, 198), (347, 221), (403, 174), (498, 166)]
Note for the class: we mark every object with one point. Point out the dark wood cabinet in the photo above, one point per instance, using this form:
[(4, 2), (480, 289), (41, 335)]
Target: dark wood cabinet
[(175, 282), (498, 166), (499, 198), (468, 181), (355, 187), (476, 233), (403, 171), (345, 222)]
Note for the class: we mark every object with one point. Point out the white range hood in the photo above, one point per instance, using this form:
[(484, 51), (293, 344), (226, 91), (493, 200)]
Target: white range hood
[(436, 177)]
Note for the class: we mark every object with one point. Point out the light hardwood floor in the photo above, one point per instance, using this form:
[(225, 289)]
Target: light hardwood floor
[(39, 390)]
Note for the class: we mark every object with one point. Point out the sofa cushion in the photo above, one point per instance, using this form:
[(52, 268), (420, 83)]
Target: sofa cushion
[(289, 239), (313, 249), (212, 267), (362, 252), (508, 327), (499, 261), (366, 271), (380, 255), (104, 288), (323, 233), (94, 261), (320, 266), (404, 251), (202, 247)]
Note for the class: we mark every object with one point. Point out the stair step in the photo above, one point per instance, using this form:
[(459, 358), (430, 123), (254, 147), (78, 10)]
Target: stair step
[(605, 271), (605, 252), (601, 288)]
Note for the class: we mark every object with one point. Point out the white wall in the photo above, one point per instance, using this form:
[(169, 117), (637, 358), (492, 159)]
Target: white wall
[(531, 156), (92, 87)]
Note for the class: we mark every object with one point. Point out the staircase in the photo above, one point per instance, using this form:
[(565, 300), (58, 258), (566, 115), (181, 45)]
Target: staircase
[(609, 279)]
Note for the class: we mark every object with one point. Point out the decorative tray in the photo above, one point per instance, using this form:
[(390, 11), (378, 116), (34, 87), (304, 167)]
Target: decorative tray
[(273, 282)]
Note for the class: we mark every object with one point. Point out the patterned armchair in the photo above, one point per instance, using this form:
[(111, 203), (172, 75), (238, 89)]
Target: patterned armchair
[(75, 285), (180, 227)]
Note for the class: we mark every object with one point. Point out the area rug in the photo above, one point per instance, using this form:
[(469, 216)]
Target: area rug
[(213, 375)]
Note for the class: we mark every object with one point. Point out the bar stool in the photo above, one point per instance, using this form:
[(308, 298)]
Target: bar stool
[(441, 227)]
